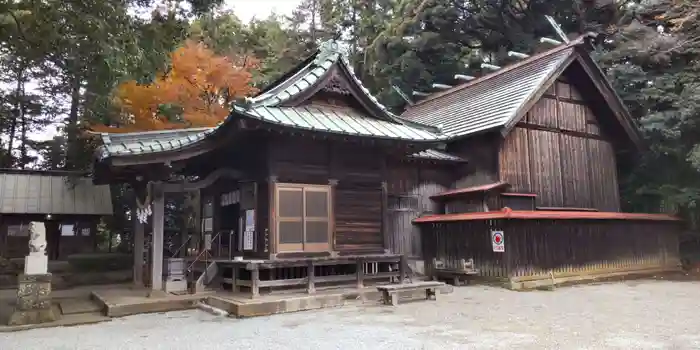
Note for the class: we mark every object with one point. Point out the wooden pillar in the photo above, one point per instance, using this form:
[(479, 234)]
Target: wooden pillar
[(385, 218), (311, 278), (138, 250), (360, 274), (402, 267), (255, 281), (158, 236), (332, 208)]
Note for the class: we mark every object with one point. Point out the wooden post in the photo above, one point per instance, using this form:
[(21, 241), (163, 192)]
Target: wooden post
[(138, 251), (234, 278), (158, 235), (385, 217), (360, 274), (255, 281), (311, 278), (402, 268)]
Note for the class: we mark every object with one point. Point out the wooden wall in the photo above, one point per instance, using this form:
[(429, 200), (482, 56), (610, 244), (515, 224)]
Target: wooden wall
[(357, 195), (481, 152), (559, 153), (565, 247), (410, 185)]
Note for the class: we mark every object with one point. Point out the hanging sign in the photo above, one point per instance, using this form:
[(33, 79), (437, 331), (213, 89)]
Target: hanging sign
[(498, 241)]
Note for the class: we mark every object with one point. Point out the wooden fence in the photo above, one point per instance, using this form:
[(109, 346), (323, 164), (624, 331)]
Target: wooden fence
[(554, 248)]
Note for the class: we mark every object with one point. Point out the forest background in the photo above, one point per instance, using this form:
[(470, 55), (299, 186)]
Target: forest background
[(126, 65)]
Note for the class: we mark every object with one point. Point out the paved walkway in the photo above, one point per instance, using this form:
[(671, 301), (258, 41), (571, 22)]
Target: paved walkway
[(628, 315)]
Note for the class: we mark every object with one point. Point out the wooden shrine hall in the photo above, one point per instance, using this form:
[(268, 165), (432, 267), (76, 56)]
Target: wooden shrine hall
[(313, 182), (293, 184)]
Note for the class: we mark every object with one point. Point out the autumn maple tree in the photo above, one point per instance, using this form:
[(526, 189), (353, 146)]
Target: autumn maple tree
[(195, 92)]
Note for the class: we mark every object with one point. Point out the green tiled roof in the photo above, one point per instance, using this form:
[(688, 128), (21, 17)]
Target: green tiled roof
[(329, 54), (124, 144), (338, 121)]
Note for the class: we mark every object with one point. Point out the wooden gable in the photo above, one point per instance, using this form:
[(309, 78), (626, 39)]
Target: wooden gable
[(564, 149), (339, 89)]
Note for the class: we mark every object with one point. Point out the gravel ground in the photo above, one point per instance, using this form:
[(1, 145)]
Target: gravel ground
[(627, 315)]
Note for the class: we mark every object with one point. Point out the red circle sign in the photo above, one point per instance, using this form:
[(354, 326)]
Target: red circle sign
[(497, 238)]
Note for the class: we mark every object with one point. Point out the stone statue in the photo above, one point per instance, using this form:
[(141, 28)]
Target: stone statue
[(36, 262), (37, 239)]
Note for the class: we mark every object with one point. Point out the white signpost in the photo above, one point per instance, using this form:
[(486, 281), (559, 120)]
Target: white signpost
[(498, 241)]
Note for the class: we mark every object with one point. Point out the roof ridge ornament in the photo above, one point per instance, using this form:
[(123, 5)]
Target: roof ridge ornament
[(329, 48)]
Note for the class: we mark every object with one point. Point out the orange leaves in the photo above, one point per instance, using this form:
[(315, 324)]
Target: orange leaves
[(196, 92)]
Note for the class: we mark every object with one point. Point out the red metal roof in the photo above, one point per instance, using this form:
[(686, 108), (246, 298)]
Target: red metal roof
[(515, 194), (468, 190), (508, 213)]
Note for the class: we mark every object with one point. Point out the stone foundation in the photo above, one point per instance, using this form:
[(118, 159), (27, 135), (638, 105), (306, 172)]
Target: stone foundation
[(33, 300)]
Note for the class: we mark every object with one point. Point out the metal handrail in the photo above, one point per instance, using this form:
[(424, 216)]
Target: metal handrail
[(196, 259), (189, 237)]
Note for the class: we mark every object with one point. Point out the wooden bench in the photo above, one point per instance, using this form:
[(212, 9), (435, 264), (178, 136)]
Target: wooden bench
[(390, 291)]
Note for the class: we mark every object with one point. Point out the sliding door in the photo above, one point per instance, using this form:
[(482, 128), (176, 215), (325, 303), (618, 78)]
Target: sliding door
[(303, 218)]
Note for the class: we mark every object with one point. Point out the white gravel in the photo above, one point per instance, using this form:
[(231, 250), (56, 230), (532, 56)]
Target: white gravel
[(629, 315)]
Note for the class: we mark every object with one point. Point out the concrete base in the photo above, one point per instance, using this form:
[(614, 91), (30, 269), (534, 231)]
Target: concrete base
[(118, 303), (33, 301), (244, 307), (548, 282), (175, 284)]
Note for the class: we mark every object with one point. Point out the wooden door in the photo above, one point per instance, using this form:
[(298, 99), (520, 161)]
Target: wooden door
[(303, 218), (404, 237)]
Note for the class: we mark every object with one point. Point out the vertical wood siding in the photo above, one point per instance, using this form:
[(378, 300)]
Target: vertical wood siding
[(559, 153), (358, 195), (410, 186), (565, 247), (482, 154)]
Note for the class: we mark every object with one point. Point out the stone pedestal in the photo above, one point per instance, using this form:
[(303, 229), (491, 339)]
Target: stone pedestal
[(36, 264), (33, 300)]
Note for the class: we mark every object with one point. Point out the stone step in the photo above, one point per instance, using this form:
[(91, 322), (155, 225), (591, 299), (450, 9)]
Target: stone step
[(78, 306)]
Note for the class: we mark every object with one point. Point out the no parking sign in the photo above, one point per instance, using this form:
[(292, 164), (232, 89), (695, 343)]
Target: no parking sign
[(498, 241)]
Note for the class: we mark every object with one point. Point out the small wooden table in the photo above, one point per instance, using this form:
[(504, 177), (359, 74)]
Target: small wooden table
[(456, 275), (390, 291)]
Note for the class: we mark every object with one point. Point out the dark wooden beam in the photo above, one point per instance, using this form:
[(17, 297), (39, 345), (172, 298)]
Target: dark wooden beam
[(206, 182), (561, 131)]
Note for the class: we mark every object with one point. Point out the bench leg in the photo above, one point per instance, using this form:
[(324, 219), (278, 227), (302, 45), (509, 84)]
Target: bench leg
[(394, 299), (431, 293), (456, 282), (385, 297)]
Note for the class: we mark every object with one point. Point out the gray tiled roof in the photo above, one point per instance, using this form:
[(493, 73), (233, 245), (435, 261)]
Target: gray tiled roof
[(491, 101), (32, 193), (438, 155)]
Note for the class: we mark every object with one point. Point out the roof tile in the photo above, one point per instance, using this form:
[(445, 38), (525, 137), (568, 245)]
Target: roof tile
[(490, 102)]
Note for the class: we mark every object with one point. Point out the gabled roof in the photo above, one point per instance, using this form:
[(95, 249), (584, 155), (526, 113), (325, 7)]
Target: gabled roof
[(498, 100), (280, 104)]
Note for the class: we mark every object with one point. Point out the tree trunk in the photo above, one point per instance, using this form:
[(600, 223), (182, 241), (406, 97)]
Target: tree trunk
[(72, 146), (23, 139), (16, 111)]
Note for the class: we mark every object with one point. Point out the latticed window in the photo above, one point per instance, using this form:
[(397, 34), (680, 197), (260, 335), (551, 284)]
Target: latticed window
[(303, 217)]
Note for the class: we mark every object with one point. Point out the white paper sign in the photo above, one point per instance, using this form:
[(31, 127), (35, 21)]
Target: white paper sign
[(248, 240), (498, 241)]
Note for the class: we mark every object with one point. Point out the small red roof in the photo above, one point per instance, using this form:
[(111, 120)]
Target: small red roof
[(508, 213), (469, 190)]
